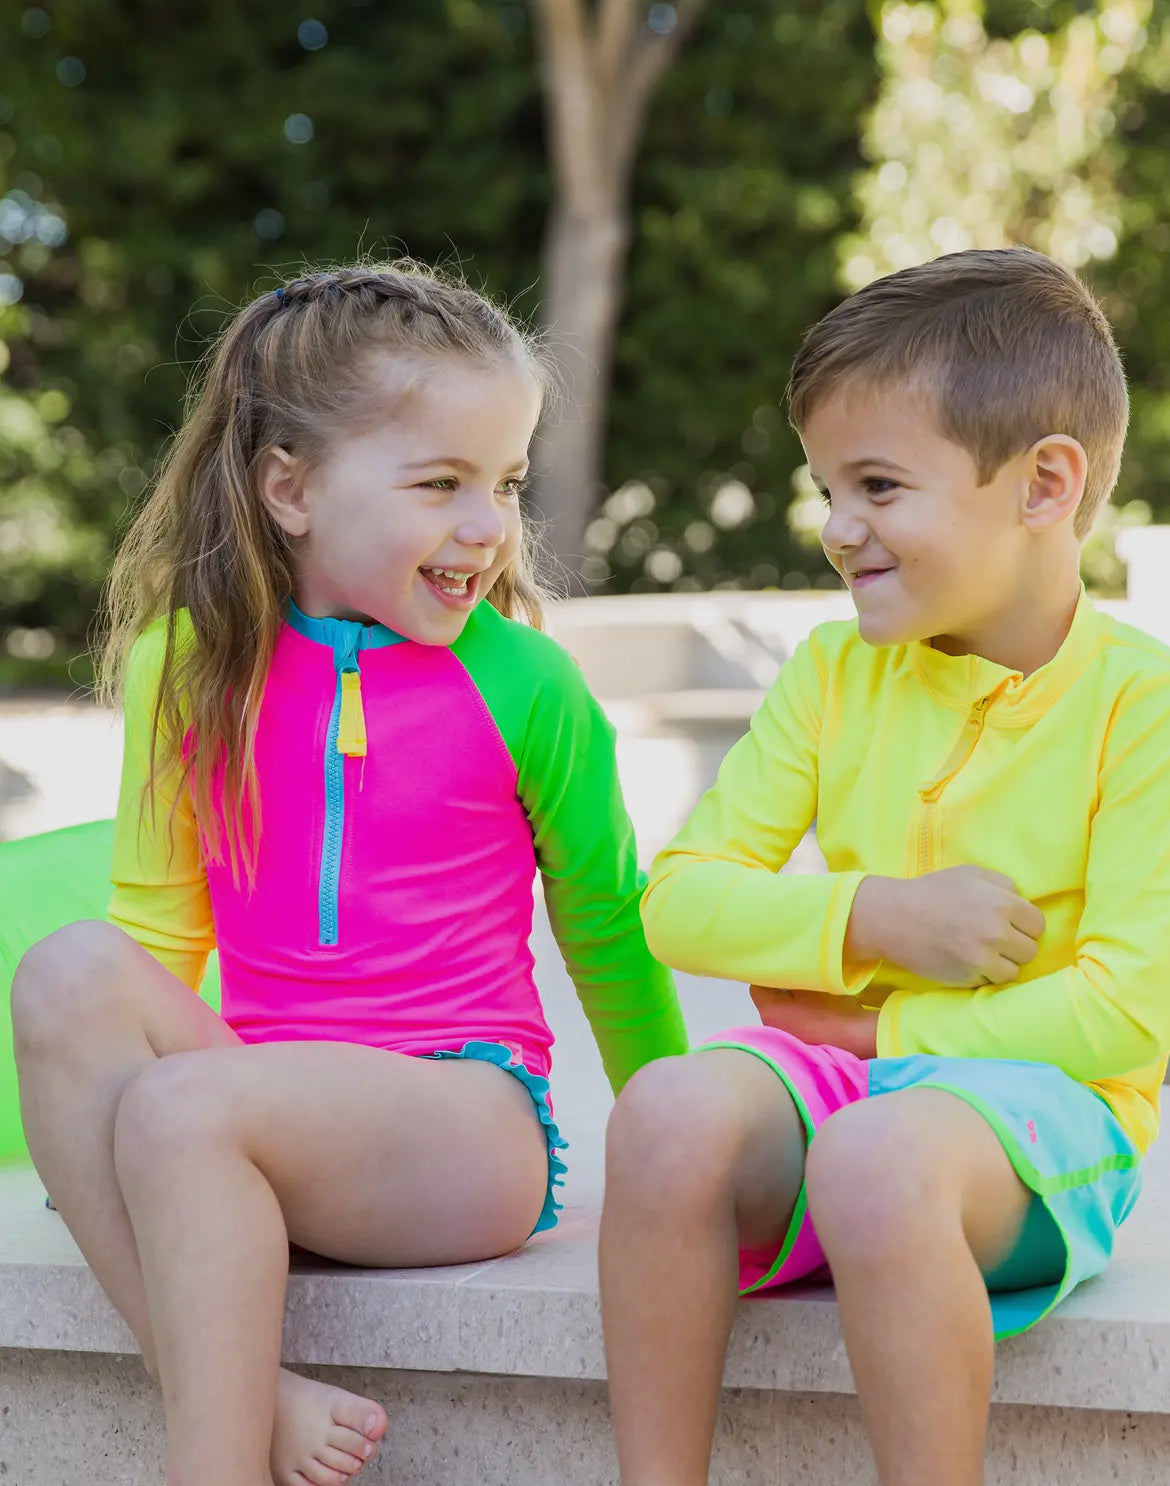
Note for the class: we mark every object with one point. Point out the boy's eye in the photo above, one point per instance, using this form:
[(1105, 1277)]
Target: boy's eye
[(878, 485)]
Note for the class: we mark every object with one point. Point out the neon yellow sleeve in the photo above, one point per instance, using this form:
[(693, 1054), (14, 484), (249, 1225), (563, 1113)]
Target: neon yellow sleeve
[(717, 904), (1108, 1013), (160, 896)]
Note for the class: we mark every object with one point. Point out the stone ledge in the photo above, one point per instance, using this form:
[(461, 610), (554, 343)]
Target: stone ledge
[(535, 1314)]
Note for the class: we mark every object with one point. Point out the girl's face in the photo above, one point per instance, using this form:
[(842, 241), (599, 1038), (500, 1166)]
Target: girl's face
[(411, 523)]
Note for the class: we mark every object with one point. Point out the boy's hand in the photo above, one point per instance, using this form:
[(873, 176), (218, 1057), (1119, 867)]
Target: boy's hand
[(819, 1018), (963, 926)]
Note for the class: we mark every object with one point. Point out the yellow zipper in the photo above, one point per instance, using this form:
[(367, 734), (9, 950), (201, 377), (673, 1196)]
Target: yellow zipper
[(931, 792), (351, 728)]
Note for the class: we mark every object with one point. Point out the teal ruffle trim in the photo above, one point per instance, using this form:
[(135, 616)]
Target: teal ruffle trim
[(503, 1057)]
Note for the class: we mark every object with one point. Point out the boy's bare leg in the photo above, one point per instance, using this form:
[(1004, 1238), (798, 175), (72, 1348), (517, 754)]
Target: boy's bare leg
[(915, 1200), (704, 1153)]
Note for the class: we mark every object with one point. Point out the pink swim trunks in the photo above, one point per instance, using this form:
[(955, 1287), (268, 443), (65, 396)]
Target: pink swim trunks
[(821, 1080)]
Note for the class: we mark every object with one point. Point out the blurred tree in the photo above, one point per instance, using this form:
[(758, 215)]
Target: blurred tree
[(601, 63), (156, 162), (155, 159), (744, 181), (421, 130)]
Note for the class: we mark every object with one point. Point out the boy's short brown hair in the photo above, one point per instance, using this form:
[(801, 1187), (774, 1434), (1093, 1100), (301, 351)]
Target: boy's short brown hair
[(1008, 345)]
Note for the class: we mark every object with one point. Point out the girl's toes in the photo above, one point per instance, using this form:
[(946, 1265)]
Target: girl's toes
[(350, 1442), (322, 1475), (361, 1415), (340, 1460)]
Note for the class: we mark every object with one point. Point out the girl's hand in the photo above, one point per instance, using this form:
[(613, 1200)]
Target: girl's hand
[(819, 1019)]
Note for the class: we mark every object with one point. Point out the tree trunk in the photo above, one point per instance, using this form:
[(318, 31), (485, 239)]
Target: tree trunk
[(584, 262), (600, 66)]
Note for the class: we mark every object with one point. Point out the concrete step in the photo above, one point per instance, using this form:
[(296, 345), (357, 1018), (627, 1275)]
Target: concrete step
[(494, 1372)]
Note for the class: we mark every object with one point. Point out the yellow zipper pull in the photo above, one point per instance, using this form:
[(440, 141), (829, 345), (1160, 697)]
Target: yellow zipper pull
[(351, 729)]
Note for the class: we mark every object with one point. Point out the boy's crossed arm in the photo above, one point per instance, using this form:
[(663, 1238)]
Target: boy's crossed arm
[(962, 926), (718, 905)]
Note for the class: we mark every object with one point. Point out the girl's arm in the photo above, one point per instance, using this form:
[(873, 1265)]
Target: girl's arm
[(585, 846), (160, 895), (562, 746)]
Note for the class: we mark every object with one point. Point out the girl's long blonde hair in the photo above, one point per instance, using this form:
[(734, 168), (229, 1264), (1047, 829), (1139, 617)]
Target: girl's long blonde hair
[(291, 369)]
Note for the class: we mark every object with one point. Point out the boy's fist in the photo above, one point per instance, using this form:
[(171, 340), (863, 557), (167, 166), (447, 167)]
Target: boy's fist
[(963, 926)]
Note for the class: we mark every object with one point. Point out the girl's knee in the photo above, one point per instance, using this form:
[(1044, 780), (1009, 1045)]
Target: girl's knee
[(63, 984), (168, 1110), (675, 1130)]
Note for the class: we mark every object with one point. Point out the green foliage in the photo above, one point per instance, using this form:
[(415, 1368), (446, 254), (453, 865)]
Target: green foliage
[(1022, 121), (173, 166), (745, 179), (159, 163)]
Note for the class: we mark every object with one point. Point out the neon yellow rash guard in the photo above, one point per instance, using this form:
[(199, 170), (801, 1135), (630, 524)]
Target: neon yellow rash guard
[(909, 761)]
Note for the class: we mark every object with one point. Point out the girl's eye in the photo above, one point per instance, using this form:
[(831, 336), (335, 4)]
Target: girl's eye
[(515, 487), (441, 482), (826, 496)]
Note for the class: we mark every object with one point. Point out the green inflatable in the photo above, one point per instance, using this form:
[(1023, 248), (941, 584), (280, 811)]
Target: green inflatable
[(45, 882)]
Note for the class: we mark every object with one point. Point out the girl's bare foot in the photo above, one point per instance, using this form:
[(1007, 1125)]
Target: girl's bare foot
[(323, 1436)]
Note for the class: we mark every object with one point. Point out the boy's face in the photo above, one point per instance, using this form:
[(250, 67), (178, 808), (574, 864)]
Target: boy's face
[(927, 553)]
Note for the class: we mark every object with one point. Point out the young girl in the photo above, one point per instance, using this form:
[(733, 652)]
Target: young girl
[(342, 768)]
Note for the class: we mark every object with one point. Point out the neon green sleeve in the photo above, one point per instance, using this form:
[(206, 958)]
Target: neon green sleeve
[(1108, 1013), (717, 903), (160, 895), (563, 747)]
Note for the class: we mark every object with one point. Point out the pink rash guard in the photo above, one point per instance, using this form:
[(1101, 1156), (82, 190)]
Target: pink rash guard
[(392, 903)]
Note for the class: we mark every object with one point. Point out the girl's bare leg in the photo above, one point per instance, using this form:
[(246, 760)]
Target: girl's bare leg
[(93, 1015), (915, 1200), (365, 1156), (91, 1010), (705, 1153)]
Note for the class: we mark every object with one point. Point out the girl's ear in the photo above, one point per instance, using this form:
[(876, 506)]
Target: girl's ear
[(1058, 468), (280, 481)]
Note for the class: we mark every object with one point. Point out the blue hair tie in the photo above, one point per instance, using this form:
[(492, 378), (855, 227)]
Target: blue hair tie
[(280, 296)]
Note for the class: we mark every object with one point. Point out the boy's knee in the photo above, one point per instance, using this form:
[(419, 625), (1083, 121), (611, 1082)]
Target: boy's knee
[(60, 983), (673, 1128), (166, 1110), (869, 1181)]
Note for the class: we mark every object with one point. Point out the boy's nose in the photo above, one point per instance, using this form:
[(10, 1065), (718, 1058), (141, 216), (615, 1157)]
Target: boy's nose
[(842, 532)]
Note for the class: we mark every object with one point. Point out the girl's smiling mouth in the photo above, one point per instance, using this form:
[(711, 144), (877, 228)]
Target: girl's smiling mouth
[(456, 587)]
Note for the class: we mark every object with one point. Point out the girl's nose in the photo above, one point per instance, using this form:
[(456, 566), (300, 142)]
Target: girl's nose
[(482, 524)]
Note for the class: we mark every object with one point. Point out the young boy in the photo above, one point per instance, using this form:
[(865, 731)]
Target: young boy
[(971, 1011)]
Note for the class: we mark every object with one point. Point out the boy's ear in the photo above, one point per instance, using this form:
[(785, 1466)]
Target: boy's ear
[(279, 480), (1056, 472)]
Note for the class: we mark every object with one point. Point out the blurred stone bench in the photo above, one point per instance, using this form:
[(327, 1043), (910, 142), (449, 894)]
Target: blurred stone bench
[(492, 1373)]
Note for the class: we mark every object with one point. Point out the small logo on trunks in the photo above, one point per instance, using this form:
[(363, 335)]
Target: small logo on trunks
[(1032, 1131)]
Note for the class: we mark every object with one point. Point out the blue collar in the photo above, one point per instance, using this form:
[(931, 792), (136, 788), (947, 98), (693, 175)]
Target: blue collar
[(345, 637)]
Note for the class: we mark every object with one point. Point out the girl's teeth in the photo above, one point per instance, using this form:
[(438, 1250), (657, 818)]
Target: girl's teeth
[(459, 580)]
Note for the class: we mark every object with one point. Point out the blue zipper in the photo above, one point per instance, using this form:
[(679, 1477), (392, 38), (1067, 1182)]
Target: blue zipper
[(345, 637), (345, 652)]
